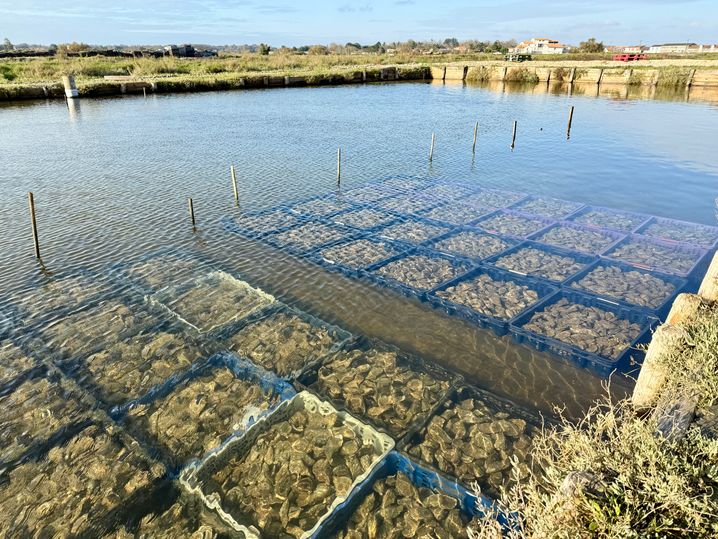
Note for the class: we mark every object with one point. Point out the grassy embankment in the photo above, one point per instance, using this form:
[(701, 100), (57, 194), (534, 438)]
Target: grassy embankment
[(614, 475)]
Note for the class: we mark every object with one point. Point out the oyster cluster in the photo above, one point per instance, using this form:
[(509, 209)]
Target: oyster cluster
[(292, 473), (73, 488), (381, 387), (406, 204), (455, 214), (68, 293), (308, 236), (283, 343), (532, 261), (412, 231), (405, 184), (512, 225), (368, 193), (13, 362), (199, 414), (688, 233), (631, 286), (130, 368), (322, 206), (266, 222), (422, 272), (586, 240), (473, 442), (491, 297), (364, 218), (37, 409), (620, 221), (213, 301), (164, 270), (358, 254), (548, 207), (395, 508), (492, 198), (444, 191), (472, 245), (654, 255), (589, 328), (83, 331)]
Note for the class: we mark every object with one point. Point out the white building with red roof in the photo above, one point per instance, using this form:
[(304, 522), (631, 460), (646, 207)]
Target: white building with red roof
[(540, 45)]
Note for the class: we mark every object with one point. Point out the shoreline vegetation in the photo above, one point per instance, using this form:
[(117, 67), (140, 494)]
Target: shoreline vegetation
[(39, 78)]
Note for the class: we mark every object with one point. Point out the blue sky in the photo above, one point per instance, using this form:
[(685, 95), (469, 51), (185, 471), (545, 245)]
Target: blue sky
[(283, 22)]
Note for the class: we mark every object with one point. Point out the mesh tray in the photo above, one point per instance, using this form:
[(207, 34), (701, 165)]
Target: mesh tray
[(322, 206), (611, 237), (698, 254), (323, 259), (339, 232), (434, 244), (710, 232), (637, 219), (570, 207), (258, 224), (541, 224), (194, 477), (500, 326)]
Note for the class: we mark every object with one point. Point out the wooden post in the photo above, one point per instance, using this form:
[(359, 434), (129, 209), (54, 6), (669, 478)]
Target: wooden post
[(234, 184), (144, 92), (31, 202), (339, 165), (431, 150), (476, 131), (570, 120), (513, 136), (68, 81), (191, 212)]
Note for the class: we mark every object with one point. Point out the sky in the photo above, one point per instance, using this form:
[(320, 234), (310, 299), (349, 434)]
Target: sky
[(302, 22)]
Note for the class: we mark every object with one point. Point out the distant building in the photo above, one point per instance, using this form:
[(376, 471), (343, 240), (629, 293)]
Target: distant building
[(182, 51), (539, 45), (626, 49), (670, 48)]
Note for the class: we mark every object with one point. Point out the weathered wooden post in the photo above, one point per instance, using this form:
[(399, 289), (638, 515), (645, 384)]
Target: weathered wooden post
[(339, 165), (68, 81), (191, 212), (570, 120), (476, 131), (513, 136), (431, 150), (234, 184), (31, 202), (144, 92)]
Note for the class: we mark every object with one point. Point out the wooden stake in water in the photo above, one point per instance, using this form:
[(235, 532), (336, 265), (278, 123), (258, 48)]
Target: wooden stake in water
[(31, 202), (339, 165), (234, 184), (191, 212), (513, 136), (431, 150), (476, 132), (570, 120), (144, 92)]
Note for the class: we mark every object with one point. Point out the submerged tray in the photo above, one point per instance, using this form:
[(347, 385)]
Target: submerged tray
[(324, 258), (694, 254), (683, 232), (195, 476), (608, 219)]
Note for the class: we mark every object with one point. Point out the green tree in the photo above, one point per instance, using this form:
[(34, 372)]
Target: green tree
[(264, 49), (451, 42), (318, 50), (591, 45), (7, 45)]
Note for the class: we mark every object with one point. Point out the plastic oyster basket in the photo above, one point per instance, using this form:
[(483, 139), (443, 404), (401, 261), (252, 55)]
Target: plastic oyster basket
[(511, 197), (500, 326), (262, 222), (542, 223), (639, 218), (341, 337), (421, 476), (612, 236), (660, 310), (581, 258), (241, 368), (433, 243), (476, 211), (600, 364), (347, 270), (384, 234), (370, 192), (699, 254), (311, 376), (274, 239), (573, 206), (195, 475), (169, 297), (686, 225), (371, 272), (388, 218), (305, 207)]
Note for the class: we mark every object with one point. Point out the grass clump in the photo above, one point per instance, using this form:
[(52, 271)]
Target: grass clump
[(674, 77), (478, 74), (522, 74)]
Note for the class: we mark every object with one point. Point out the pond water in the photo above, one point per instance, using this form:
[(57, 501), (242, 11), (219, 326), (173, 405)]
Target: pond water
[(111, 179)]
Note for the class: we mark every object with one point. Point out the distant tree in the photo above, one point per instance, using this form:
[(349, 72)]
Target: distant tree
[(303, 48), (263, 49), (451, 42), (318, 50), (7, 45), (591, 45), (356, 46)]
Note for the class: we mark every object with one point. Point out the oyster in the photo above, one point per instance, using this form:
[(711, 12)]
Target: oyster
[(492, 297), (412, 231), (455, 213), (358, 253), (69, 293), (510, 224), (492, 198), (576, 239), (283, 342), (655, 255), (472, 244), (369, 193), (619, 221), (363, 218), (588, 328), (553, 208), (446, 191), (322, 206), (71, 489), (380, 386), (284, 491), (307, 236), (406, 204), (696, 234), (198, 414), (632, 286), (422, 272), (395, 508), (212, 301), (13, 362), (473, 440), (532, 261)]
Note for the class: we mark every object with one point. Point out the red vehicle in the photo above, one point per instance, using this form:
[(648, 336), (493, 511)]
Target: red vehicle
[(629, 57)]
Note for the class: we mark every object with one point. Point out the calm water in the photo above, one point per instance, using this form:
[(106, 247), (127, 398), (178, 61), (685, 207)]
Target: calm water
[(111, 179)]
